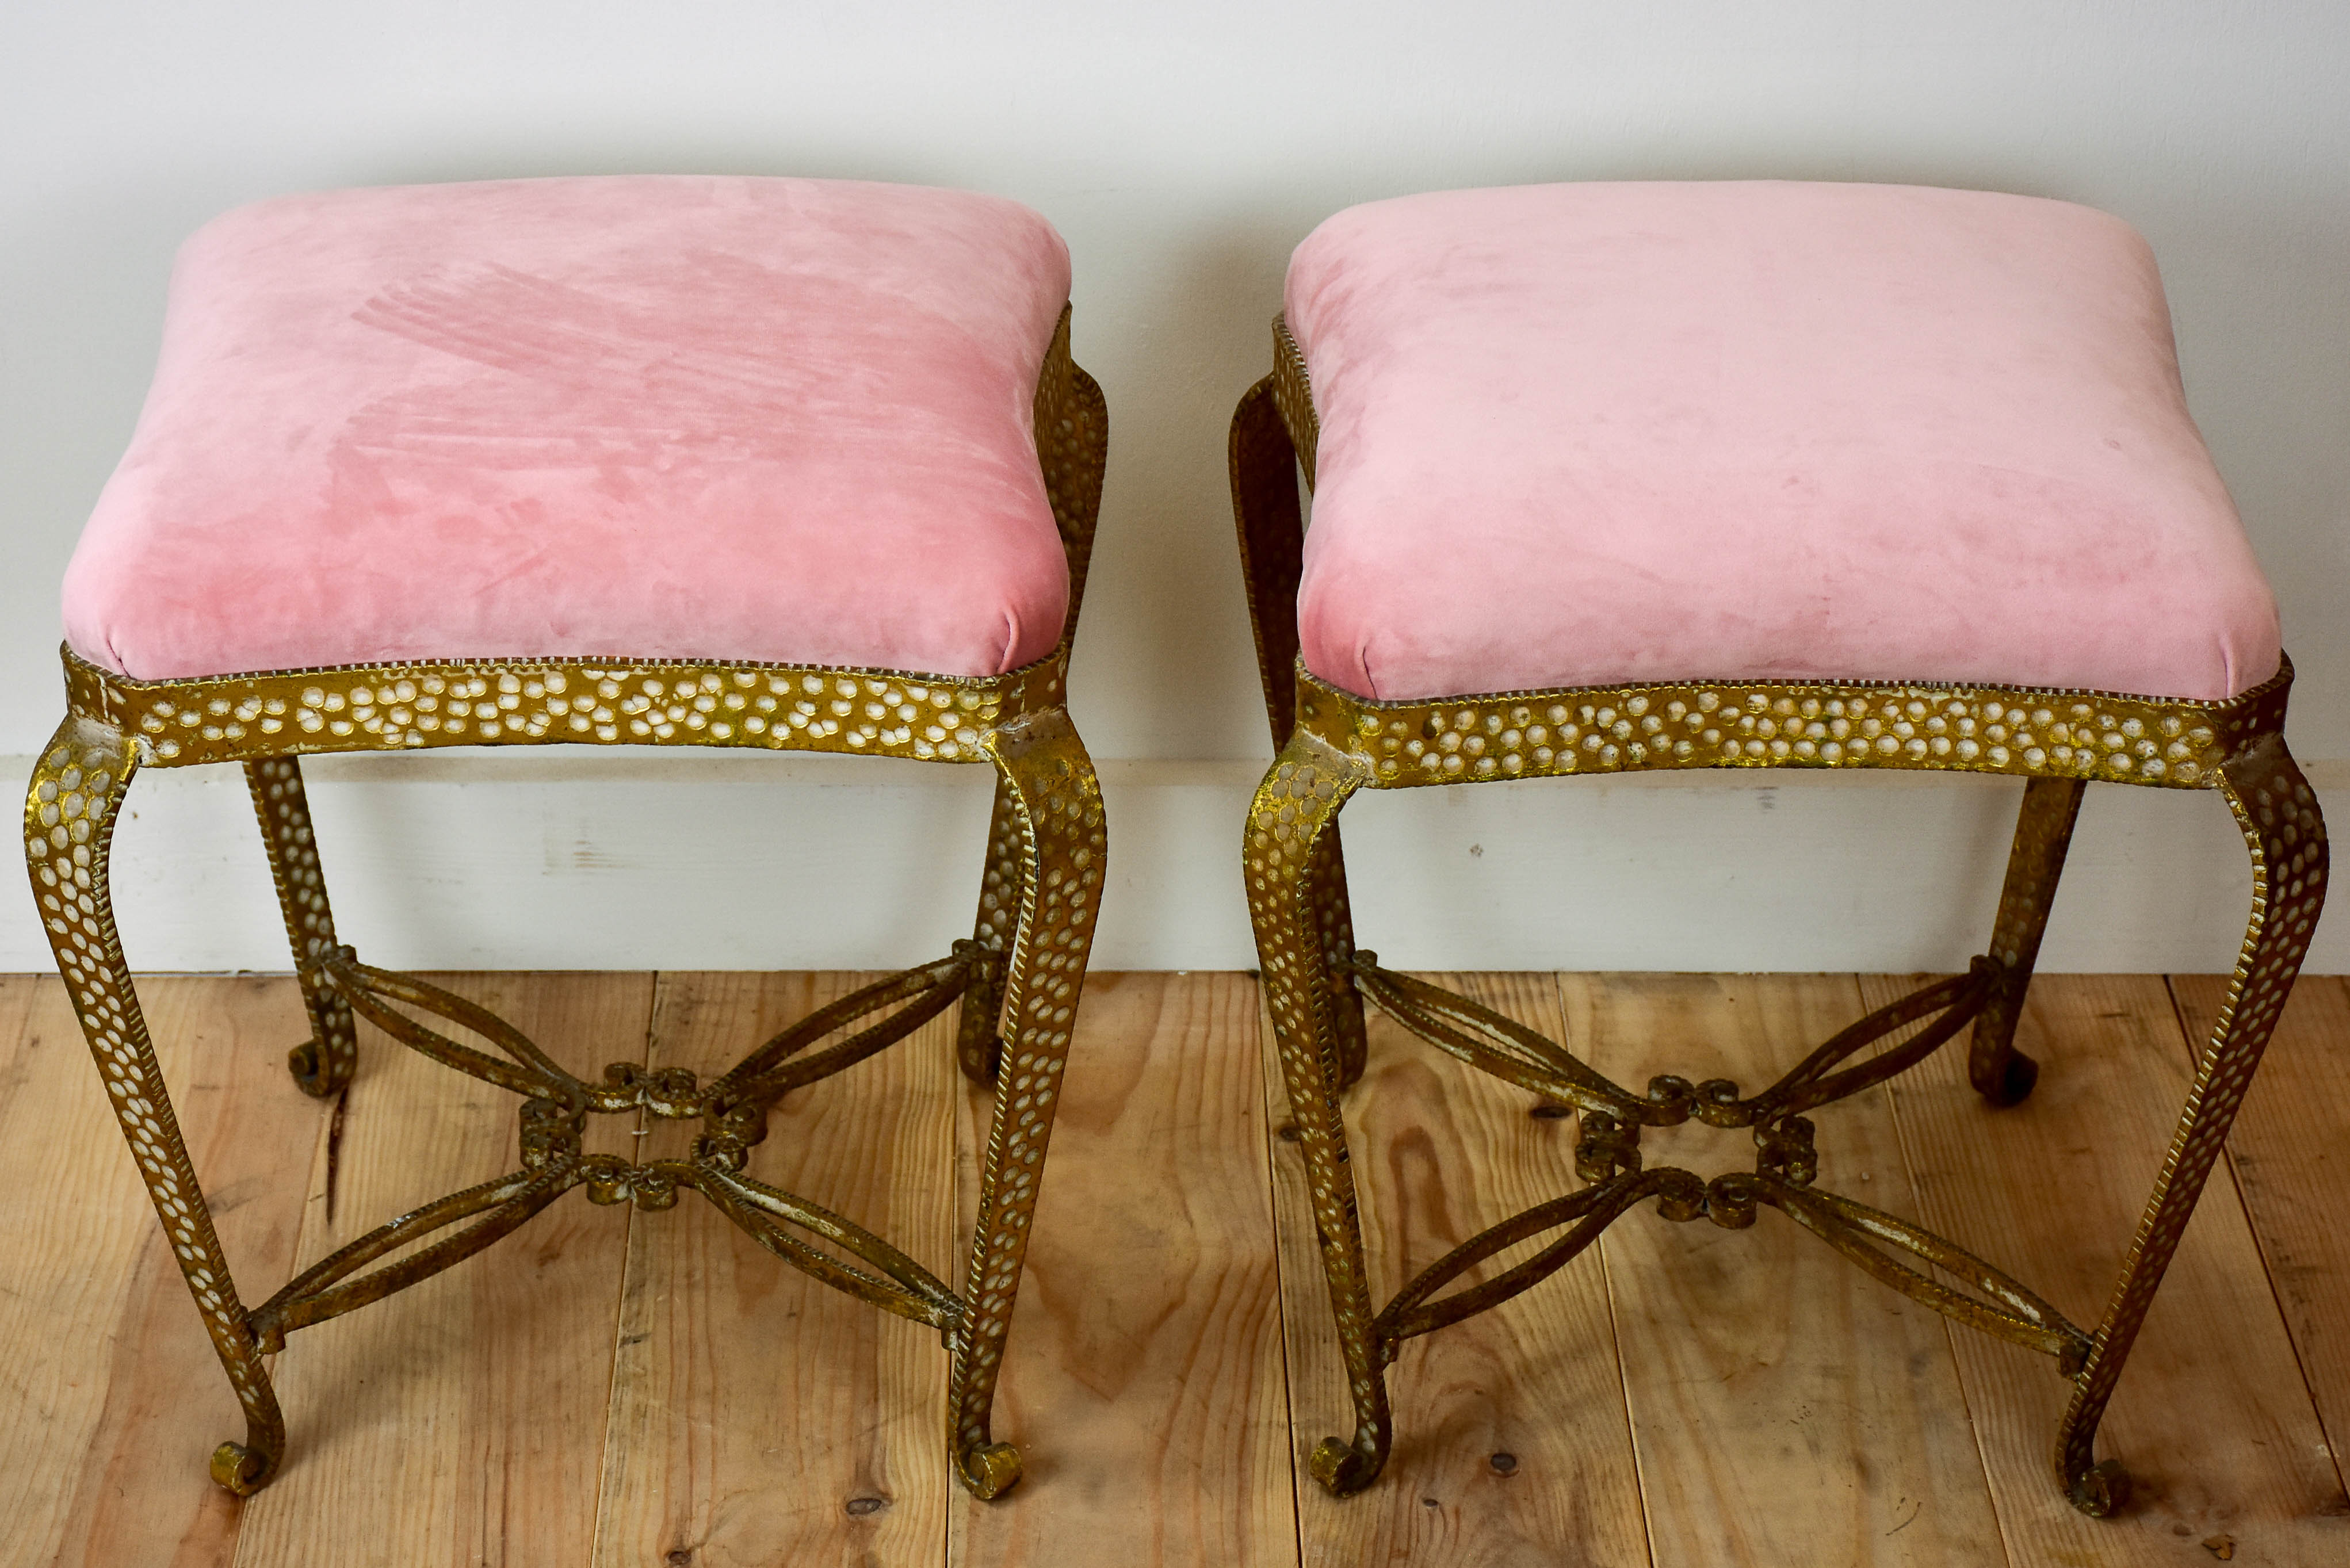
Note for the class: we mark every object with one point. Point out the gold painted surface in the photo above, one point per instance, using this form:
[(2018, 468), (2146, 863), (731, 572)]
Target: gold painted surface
[(493, 702), (1057, 806), (323, 1064), (2035, 863), (1295, 809), (1769, 723), (733, 1109), (70, 811), (1293, 394), (2285, 833)]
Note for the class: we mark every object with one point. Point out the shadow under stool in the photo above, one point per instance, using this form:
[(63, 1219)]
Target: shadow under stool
[(777, 465), (1615, 478)]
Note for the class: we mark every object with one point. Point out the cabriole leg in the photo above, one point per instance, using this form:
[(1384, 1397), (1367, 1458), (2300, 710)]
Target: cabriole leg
[(2043, 831), (978, 1047), (69, 816), (2278, 812), (1334, 922), (1272, 540), (323, 1064), (1058, 811), (1294, 807)]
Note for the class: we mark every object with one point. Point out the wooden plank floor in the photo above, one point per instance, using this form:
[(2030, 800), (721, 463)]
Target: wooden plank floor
[(613, 1389)]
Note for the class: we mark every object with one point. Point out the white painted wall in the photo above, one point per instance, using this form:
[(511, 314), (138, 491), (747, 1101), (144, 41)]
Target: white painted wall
[(1184, 149)]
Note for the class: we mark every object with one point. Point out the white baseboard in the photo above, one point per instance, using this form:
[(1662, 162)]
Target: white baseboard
[(630, 860)]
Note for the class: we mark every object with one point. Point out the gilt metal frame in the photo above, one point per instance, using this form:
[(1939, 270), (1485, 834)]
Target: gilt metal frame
[(1018, 977), (1332, 743)]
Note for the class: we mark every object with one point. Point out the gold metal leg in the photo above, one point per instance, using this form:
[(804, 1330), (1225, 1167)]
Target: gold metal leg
[(2044, 831), (1064, 846), (1272, 540), (323, 1064), (2286, 835), (1073, 437), (978, 1045), (69, 816), (1294, 807), (1334, 922)]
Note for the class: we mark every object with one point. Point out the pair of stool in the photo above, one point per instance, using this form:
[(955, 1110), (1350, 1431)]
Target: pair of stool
[(1606, 479)]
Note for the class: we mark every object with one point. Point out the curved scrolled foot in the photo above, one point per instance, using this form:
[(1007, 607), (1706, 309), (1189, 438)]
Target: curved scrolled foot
[(1345, 1468), (2012, 1081), (307, 1062), (980, 1061), (242, 1471), (2102, 1491), (990, 1470)]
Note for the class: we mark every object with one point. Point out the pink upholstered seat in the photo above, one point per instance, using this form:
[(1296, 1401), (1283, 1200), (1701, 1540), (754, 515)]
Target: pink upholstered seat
[(1609, 433), (742, 418)]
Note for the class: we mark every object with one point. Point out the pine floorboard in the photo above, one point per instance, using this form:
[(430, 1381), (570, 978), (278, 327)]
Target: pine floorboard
[(459, 1421), (1151, 1416), (2210, 1418), (1510, 1443), (2290, 1158), (1759, 1367), (111, 1391), (613, 1389), (768, 1420)]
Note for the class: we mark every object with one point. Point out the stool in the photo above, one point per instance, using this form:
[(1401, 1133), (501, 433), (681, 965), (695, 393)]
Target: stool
[(779, 465), (1614, 478)]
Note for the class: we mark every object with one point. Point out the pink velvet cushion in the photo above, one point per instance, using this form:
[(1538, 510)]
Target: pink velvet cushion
[(743, 419), (1609, 433)]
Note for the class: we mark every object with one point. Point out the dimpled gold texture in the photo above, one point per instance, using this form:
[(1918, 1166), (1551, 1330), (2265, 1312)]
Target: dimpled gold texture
[(1332, 743), (1019, 977)]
